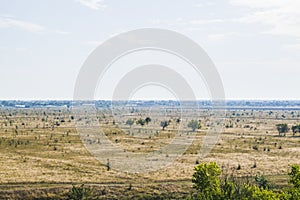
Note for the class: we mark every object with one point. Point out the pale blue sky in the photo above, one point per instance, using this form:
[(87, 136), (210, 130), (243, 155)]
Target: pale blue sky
[(255, 44)]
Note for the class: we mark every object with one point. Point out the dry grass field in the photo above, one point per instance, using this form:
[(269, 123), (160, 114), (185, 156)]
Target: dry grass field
[(42, 155)]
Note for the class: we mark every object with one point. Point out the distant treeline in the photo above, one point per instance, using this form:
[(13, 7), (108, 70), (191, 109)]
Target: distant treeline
[(231, 104)]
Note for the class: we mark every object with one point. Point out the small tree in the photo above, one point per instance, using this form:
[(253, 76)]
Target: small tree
[(296, 129), (130, 122), (164, 124), (81, 192), (148, 120), (206, 179), (282, 129), (194, 124), (262, 182), (141, 122)]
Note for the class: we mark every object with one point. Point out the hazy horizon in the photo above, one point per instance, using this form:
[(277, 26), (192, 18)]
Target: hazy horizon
[(148, 100)]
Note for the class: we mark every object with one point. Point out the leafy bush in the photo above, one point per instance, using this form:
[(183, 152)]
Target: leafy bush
[(206, 180), (295, 176), (80, 193), (164, 124), (262, 182), (209, 186), (194, 124), (282, 129), (141, 122), (256, 193)]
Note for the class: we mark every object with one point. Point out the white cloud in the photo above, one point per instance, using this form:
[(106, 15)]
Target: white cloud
[(280, 17), (93, 4), (216, 37), (61, 32), (92, 42), (221, 36), (175, 22), (199, 5), (202, 4), (206, 21), (10, 22), (6, 22), (292, 47), (258, 3), (23, 50), (181, 22)]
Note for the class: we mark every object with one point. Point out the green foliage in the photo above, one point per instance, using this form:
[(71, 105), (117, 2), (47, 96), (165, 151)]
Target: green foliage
[(148, 120), (209, 186), (130, 122), (293, 194), (80, 193), (206, 180), (194, 124), (262, 182), (282, 128), (228, 190), (141, 122), (295, 176), (164, 124), (256, 193), (296, 129)]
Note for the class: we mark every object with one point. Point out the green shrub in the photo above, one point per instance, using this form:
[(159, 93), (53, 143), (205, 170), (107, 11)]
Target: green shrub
[(209, 186), (256, 193), (80, 193), (293, 194), (206, 180), (295, 176), (262, 182)]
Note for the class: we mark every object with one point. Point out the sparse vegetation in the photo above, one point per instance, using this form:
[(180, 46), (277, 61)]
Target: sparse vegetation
[(80, 193), (164, 124), (130, 122), (148, 120), (141, 122), (35, 142), (210, 186), (282, 129), (296, 129), (194, 124)]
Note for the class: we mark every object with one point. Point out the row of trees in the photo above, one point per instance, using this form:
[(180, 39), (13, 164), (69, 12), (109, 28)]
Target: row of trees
[(193, 124), (284, 128), (196, 124), (210, 186), (141, 122)]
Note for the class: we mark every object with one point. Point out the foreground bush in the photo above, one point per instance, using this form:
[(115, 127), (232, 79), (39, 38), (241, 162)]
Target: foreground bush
[(210, 186), (80, 193)]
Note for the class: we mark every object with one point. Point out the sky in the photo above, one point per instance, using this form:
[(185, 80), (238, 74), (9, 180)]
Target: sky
[(254, 44)]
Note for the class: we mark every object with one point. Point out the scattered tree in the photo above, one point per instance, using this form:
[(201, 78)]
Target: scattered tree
[(296, 129), (282, 129), (164, 124), (130, 122), (194, 124), (141, 122), (148, 120)]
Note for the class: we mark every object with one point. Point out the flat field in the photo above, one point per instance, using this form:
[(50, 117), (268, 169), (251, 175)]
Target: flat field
[(42, 154)]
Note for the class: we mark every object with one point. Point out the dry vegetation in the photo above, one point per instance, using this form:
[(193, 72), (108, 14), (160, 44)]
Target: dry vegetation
[(42, 155)]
